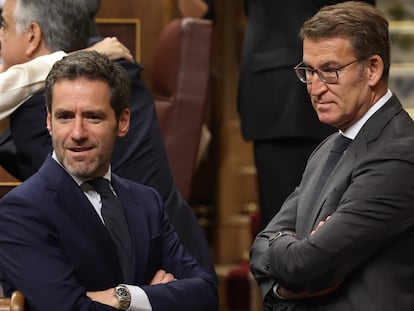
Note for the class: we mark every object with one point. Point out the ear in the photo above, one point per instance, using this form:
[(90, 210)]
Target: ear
[(123, 125), (375, 69), (34, 39), (49, 123)]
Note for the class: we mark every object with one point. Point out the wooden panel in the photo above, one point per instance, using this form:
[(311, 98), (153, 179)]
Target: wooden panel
[(153, 14), (7, 186), (127, 30)]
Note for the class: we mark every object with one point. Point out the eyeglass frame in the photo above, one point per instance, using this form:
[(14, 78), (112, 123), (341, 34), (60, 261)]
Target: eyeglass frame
[(320, 73)]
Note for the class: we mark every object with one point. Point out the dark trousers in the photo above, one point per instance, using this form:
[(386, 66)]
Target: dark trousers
[(280, 164)]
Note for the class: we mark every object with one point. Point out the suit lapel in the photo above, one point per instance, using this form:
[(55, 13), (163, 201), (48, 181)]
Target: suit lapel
[(335, 182), (341, 174), (74, 204)]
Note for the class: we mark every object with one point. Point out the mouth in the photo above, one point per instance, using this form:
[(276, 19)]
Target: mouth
[(323, 105), (80, 151)]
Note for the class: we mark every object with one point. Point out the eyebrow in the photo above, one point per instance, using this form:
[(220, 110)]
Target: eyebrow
[(327, 64), (86, 113)]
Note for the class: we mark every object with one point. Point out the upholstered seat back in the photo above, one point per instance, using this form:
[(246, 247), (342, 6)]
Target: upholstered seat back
[(180, 77)]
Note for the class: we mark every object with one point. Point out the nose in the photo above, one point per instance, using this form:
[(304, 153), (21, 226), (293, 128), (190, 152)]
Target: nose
[(317, 86), (79, 131)]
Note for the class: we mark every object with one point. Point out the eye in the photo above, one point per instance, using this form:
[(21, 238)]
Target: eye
[(63, 116), (2, 23), (95, 117), (328, 70), (309, 71)]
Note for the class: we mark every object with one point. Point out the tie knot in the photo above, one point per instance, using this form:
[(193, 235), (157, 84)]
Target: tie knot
[(341, 143), (101, 185)]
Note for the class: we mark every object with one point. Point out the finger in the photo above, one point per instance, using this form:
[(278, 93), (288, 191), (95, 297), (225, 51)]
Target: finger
[(168, 277), (159, 275), (320, 224), (162, 278)]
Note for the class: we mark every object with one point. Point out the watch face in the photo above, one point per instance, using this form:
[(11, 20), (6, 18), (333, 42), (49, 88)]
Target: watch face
[(124, 296), (122, 292)]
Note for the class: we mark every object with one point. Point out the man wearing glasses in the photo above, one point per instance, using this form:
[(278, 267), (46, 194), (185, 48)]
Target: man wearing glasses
[(342, 240)]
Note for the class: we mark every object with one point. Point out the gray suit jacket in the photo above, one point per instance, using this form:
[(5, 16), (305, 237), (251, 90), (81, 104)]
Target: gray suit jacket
[(366, 245)]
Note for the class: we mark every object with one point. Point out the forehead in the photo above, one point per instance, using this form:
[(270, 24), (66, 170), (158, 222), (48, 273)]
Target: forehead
[(8, 10), (86, 92), (9, 6), (327, 51)]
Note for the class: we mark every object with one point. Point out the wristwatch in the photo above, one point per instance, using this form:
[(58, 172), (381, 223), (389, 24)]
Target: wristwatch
[(279, 234), (124, 296)]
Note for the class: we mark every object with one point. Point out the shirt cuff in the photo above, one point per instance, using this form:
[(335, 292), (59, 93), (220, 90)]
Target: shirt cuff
[(139, 299)]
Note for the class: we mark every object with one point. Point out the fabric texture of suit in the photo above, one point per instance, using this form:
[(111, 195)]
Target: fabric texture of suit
[(139, 156), (365, 245), (52, 236)]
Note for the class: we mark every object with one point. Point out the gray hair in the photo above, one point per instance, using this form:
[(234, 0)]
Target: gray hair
[(64, 23)]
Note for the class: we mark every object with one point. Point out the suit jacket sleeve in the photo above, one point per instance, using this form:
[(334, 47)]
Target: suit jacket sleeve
[(375, 209), (34, 145), (260, 252), (195, 287)]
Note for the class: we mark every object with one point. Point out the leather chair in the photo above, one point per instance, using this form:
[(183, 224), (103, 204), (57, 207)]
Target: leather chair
[(14, 303), (180, 78)]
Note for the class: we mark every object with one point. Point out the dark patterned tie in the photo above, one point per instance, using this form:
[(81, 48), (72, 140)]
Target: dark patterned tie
[(338, 148), (115, 222)]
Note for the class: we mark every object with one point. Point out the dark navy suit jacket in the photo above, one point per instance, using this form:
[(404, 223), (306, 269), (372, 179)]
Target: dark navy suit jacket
[(54, 247), (139, 156)]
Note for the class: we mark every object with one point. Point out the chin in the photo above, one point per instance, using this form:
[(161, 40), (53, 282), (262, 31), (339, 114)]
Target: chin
[(328, 121)]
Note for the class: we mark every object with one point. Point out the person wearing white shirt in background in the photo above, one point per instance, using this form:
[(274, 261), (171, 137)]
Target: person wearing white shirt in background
[(20, 81)]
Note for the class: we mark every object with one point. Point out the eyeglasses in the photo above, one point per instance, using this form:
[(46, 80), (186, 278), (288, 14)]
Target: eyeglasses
[(327, 75)]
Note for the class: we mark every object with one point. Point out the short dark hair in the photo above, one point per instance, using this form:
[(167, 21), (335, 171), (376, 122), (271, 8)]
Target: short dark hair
[(363, 24), (93, 66)]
